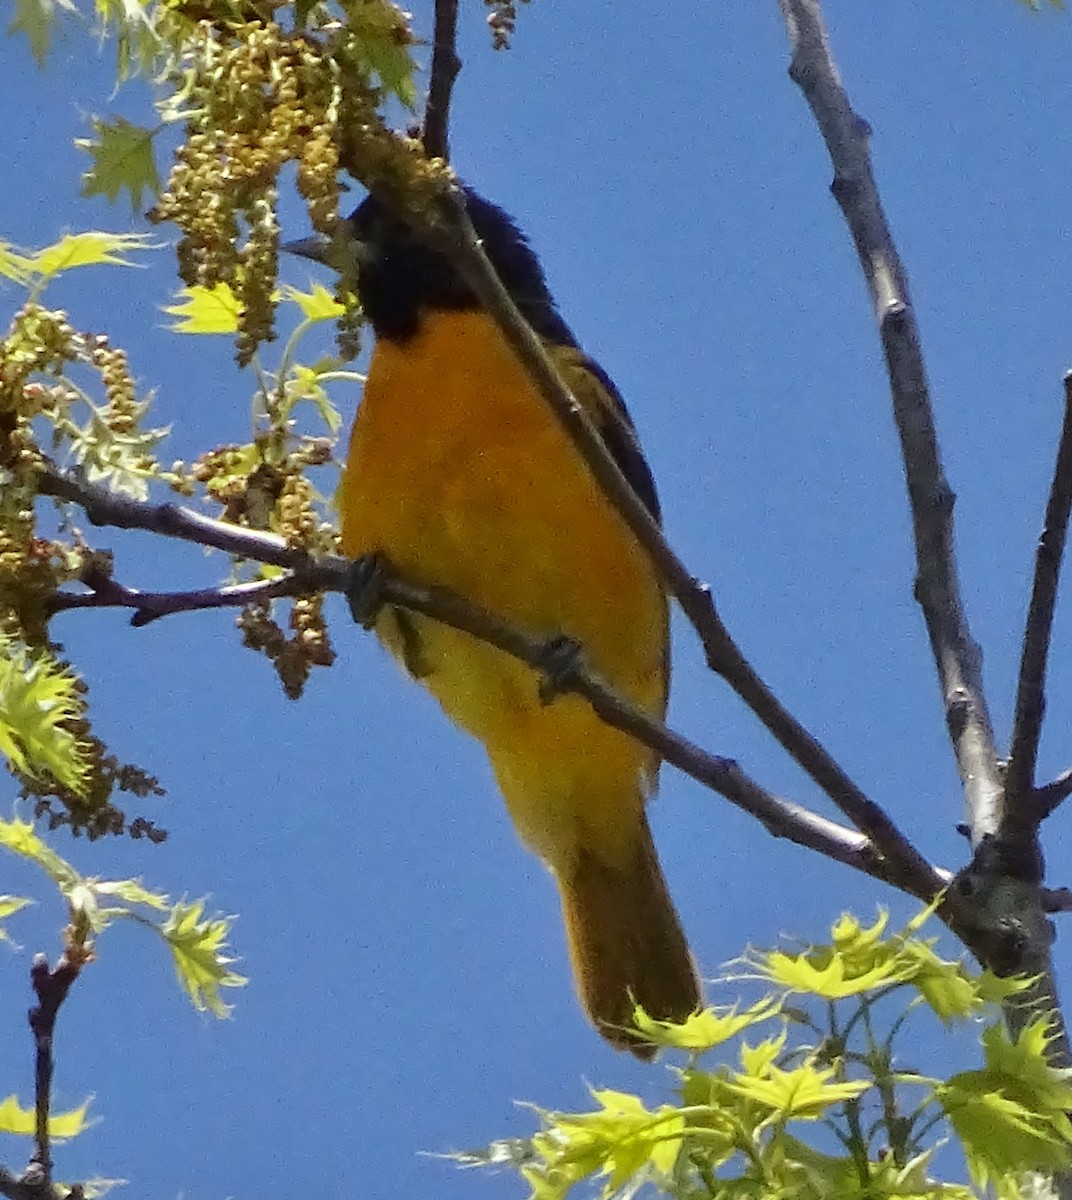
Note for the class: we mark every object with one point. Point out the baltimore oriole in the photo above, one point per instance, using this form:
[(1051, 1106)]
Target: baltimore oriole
[(459, 474)]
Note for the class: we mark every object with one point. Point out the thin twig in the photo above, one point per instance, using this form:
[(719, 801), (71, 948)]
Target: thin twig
[(1052, 794), (937, 588), (722, 654), (1022, 807), (51, 987), (445, 67), (1057, 900), (151, 606), (782, 818)]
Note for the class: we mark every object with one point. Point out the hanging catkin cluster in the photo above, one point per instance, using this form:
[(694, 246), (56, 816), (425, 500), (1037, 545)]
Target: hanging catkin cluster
[(256, 97)]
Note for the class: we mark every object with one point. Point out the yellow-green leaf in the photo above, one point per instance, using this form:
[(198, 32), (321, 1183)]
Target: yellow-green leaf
[(622, 1141), (89, 249), (9, 905), (946, 986), (318, 304), (1012, 1115), (863, 959), (14, 1118), (812, 1175), (1023, 1061), (1001, 1138), (13, 264), (829, 975), (138, 44), (133, 891), (93, 1188), (84, 905), (804, 1093), (996, 989), (205, 310), (38, 700), (758, 1060), (201, 954), (19, 837), (304, 384), (121, 458), (704, 1030), (122, 155)]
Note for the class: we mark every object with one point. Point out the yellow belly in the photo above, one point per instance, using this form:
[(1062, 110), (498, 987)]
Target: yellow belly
[(459, 474)]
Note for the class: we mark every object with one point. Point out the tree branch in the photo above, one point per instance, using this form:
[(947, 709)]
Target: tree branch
[(16, 1187), (956, 655), (781, 818), (723, 655), (445, 67), (171, 520), (1023, 810), (996, 906), (1049, 797)]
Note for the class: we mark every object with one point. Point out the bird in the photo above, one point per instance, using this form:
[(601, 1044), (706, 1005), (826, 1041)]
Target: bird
[(459, 475)]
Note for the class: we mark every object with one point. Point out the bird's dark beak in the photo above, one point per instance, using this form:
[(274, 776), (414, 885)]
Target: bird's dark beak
[(344, 253), (317, 248)]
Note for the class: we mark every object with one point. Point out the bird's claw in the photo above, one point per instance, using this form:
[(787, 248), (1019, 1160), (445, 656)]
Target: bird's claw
[(561, 658), (364, 589)]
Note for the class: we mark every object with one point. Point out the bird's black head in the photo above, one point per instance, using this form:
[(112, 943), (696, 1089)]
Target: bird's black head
[(400, 277)]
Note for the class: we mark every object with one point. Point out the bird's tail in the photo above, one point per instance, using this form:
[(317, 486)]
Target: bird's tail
[(626, 943)]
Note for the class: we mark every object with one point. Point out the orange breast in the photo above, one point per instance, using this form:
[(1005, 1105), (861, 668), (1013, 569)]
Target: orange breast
[(460, 475)]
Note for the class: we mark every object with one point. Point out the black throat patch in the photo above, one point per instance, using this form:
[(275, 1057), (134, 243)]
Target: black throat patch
[(400, 277)]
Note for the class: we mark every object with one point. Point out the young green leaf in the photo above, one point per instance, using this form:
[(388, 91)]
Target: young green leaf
[(622, 1140), (14, 265), (318, 304), (122, 155), (1012, 1115), (133, 891), (89, 249), (137, 42), (38, 700), (205, 310), (93, 1188), (35, 18), (948, 987), (9, 905), (19, 837), (811, 1175), (117, 454), (861, 959), (804, 1093), (14, 1118), (704, 1030), (200, 951), (304, 384)]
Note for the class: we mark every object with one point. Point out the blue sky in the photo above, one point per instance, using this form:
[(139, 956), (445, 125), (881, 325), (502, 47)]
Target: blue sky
[(408, 977)]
